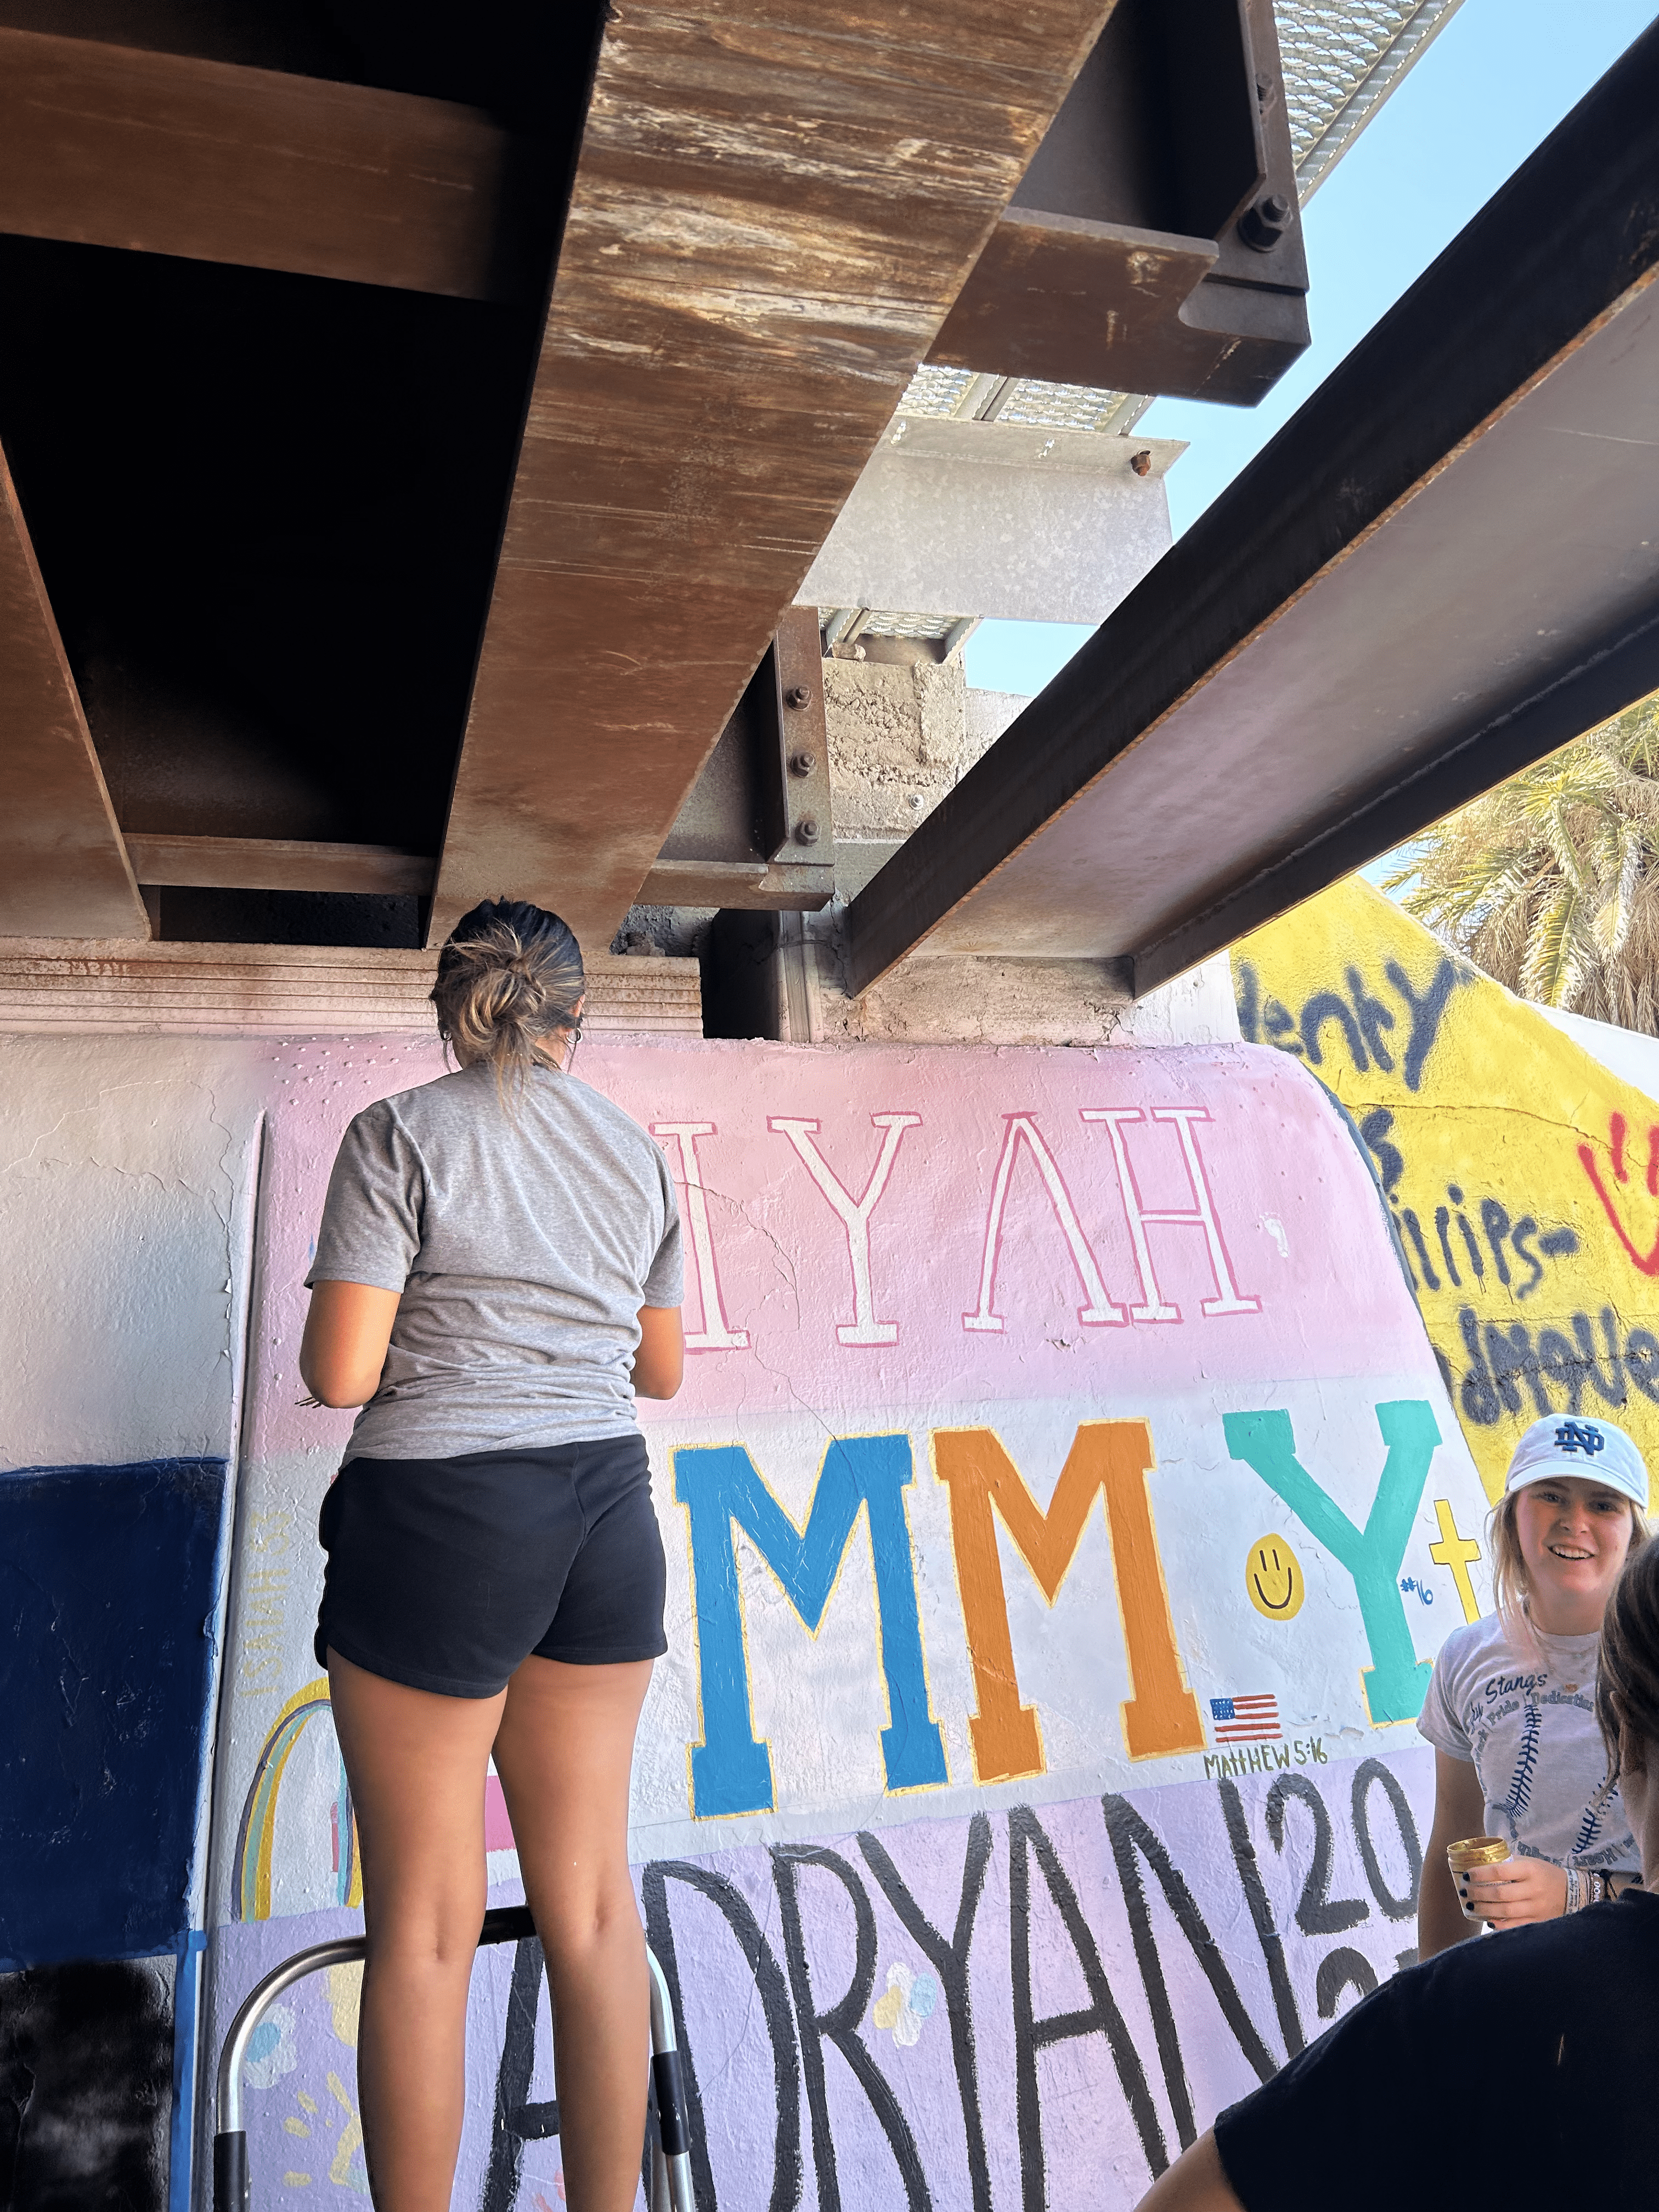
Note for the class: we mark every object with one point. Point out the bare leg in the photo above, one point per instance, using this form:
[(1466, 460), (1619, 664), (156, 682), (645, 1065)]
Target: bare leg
[(417, 1765), (564, 1752)]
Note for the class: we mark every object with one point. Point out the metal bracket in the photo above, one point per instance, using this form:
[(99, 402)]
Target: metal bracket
[(1154, 244), (756, 831)]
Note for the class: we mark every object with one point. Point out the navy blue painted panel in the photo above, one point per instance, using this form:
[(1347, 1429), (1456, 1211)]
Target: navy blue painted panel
[(108, 1578)]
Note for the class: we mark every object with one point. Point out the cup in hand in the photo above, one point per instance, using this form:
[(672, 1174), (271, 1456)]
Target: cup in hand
[(1462, 1859)]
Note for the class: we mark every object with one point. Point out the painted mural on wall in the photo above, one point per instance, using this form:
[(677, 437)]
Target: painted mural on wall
[(1063, 1510), (1522, 1177)]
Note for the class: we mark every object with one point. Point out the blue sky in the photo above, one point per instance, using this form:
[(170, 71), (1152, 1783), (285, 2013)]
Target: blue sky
[(1490, 88)]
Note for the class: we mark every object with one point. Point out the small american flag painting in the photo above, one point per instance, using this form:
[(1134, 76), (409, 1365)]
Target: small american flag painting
[(1245, 1720)]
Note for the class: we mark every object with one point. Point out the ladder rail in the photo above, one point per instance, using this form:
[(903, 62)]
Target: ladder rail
[(670, 2155)]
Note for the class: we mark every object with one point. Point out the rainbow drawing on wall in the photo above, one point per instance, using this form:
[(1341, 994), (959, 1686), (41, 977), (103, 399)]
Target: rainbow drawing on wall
[(257, 1831), (1063, 1510)]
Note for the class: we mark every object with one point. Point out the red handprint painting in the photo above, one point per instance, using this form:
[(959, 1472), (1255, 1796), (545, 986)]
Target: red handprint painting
[(1648, 1262)]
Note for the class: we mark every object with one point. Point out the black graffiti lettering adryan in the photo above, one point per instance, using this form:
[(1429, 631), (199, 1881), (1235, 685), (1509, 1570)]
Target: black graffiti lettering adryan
[(517, 2121), (949, 1960), (1255, 1896), (733, 1907), (1027, 1840), (839, 2025), (819, 1889), (1132, 1841)]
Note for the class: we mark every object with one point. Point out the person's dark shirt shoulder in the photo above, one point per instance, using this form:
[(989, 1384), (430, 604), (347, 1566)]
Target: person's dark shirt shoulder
[(1513, 2068)]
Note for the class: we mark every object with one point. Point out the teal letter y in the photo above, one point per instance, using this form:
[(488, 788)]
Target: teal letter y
[(1397, 1682)]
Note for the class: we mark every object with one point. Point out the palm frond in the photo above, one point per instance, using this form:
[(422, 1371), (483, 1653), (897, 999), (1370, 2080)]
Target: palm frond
[(1551, 881)]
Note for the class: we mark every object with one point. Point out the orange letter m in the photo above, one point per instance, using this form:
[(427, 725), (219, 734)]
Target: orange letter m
[(1113, 1458)]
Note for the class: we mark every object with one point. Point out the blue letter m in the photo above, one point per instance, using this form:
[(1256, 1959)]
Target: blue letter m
[(718, 1485)]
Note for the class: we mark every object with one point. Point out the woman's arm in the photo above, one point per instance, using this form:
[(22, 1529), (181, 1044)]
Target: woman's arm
[(344, 1347), (659, 1363), (1197, 2182), (1460, 1810)]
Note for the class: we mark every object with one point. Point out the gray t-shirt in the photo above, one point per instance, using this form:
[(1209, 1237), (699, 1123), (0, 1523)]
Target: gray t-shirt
[(1526, 1722), (524, 1231)]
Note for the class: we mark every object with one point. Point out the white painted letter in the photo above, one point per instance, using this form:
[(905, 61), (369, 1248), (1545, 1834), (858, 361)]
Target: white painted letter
[(864, 1327), (713, 1336), (1154, 1307), (1099, 1312)]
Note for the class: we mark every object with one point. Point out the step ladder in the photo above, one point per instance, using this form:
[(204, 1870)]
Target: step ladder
[(671, 2142)]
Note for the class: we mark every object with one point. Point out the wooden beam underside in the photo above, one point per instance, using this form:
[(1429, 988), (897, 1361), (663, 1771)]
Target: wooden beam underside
[(773, 212), (105, 988), (63, 870), (160, 152)]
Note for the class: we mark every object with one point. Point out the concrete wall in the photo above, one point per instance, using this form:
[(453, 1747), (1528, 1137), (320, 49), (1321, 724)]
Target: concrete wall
[(1023, 1452), (899, 738), (1520, 1170), (129, 1174)]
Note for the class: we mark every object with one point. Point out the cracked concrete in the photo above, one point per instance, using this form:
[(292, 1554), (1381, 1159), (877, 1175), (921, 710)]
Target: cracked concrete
[(899, 738), (964, 999)]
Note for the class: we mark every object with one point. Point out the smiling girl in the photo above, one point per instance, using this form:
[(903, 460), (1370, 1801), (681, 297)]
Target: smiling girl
[(1511, 1709)]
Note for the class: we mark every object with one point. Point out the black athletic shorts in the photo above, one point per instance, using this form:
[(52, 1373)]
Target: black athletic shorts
[(446, 1573)]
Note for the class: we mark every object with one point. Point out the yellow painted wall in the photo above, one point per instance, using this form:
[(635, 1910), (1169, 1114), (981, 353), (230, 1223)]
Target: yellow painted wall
[(1522, 1175)]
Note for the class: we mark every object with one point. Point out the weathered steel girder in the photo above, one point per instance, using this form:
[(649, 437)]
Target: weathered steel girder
[(771, 216), (1444, 566), (1154, 244)]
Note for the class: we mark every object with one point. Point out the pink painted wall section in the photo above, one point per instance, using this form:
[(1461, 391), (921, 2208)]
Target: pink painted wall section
[(865, 1228), (1019, 1514)]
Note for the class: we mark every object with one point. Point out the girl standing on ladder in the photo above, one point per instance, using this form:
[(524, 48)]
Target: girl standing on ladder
[(497, 1279)]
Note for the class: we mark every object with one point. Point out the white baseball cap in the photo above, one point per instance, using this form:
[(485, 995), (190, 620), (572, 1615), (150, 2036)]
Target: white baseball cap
[(1595, 1451)]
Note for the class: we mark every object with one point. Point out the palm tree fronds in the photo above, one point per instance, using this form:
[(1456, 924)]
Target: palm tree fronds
[(1551, 882)]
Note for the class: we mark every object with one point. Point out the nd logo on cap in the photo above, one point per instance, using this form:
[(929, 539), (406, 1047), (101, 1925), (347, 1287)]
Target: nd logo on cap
[(1593, 1451), (1579, 1437)]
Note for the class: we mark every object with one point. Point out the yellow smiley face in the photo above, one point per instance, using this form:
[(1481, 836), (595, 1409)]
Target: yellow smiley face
[(1272, 1575)]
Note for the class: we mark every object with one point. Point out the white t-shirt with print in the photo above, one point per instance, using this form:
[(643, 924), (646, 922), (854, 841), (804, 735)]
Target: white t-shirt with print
[(1527, 1725)]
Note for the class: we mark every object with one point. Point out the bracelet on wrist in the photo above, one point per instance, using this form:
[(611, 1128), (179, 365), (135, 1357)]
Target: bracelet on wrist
[(1575, 1890)]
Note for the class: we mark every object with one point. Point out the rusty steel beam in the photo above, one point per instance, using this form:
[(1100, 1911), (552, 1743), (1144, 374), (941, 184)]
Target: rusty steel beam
[(1154, 244), (277, 864), (163, 153), (1444, 566), (63, 870), (773, 211)]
